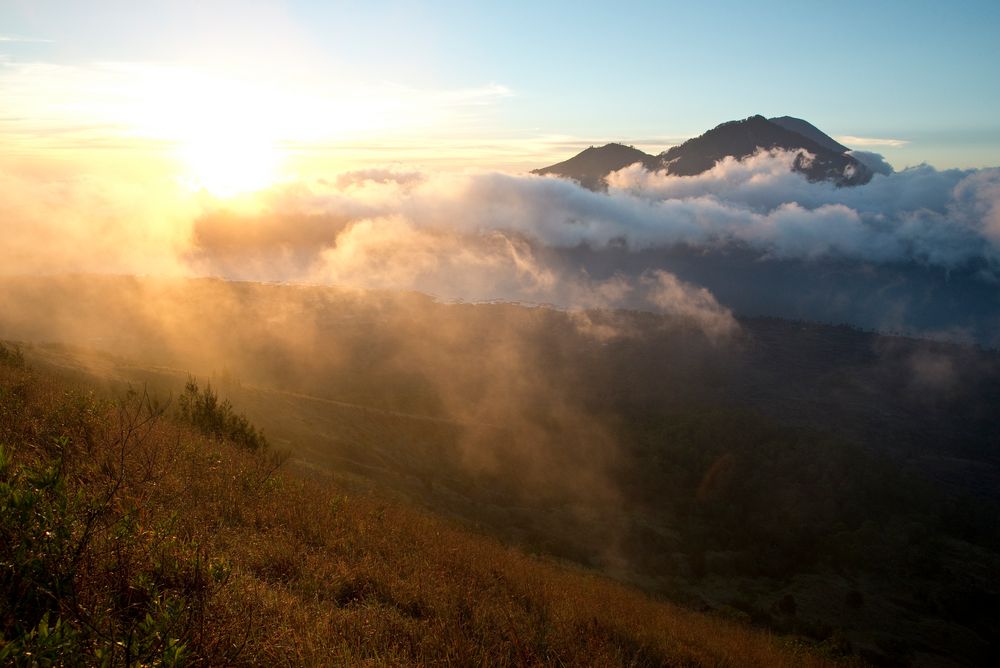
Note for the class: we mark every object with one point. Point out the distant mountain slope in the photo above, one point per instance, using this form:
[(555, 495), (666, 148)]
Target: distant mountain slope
[(742, 138), (738, 139), (591, 166), (809, 131)]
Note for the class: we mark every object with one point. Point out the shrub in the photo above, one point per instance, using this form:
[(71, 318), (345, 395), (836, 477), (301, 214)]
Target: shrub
[(11, 357), (203, 410), (85, 576)]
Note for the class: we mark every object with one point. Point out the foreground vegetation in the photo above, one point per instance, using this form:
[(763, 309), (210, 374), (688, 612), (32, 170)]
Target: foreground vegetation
[(129, 537)]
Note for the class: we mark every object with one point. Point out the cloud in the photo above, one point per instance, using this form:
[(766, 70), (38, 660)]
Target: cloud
[(940, 218), (24, 40), (488, 235), (922, 215), (73, 223), (393, 253), (477, 95), (977, 203), (470, 237), (851, 140), (426, 230), (675, 297), (151, 101), (873, 161)]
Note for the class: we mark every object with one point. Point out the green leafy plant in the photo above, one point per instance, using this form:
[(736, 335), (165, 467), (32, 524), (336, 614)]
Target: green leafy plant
[(77, 547)]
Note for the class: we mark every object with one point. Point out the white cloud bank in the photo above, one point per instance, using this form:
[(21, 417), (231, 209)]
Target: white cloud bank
[(923, 215), (486, 235)]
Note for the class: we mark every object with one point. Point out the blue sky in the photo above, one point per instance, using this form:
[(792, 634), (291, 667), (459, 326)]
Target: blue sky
[(561, 74)]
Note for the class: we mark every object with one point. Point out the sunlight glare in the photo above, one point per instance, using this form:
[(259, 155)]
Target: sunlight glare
[(226, 133), (227, 166)]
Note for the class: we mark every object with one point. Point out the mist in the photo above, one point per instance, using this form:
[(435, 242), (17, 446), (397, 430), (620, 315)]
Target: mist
[(405, 227), (896, 254), (422, 396), (488, 235)]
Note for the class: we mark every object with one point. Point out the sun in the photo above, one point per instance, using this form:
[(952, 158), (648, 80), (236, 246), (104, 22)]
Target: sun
[(231, 144), (227, 166), (232, 133), (226, 133)]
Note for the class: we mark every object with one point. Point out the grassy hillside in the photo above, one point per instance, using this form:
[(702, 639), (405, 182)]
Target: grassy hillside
[(131, 534), (812, 480)]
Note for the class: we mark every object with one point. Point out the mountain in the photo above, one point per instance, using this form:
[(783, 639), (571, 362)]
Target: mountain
[(742, 138), (591, 166), (738, 139), (873, 161), (809, 131)]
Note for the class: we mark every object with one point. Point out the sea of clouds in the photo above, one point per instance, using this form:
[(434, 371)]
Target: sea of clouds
[(483, 235)]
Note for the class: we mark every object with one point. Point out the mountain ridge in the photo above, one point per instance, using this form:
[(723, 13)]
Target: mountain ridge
[(590, 166), (809, 131), (739, 139)]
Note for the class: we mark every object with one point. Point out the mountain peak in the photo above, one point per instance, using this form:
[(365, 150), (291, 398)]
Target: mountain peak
[(810, 131), (590, 166)]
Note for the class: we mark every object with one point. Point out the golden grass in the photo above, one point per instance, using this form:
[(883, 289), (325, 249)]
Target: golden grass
[(318, 576)]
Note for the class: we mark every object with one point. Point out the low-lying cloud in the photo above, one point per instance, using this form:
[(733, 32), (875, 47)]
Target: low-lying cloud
[(488, 235), (923, 215)]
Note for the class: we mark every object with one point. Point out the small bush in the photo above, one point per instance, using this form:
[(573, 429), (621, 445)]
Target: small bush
[(203, 410), (11, 357), (86, 576)]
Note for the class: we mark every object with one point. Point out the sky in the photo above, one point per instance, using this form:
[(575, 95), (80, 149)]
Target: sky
[(389, 144), (233, 95)]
